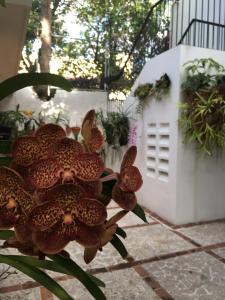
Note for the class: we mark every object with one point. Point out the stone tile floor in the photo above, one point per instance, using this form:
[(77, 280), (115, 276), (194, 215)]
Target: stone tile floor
[(166, 262)]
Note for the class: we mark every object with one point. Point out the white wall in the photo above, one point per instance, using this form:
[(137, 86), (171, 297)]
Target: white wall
[(159, 193), (77, 102), (191, 188), (200, 180)]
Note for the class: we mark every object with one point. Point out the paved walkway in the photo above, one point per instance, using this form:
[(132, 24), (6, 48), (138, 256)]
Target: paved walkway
[(166, 262)]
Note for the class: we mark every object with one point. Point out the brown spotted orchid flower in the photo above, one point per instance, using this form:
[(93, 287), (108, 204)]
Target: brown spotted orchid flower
[(107, 231), (129, 180), (93, 138), (15, 204), (67, 163), (67, 215), (28, 149)]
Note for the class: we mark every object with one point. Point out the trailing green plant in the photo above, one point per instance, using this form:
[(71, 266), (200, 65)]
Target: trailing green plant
[(142, 92), (202, 117), (157, 90)]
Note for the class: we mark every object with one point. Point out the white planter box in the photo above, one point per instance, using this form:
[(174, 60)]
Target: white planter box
[(179, 184), (13, 21)]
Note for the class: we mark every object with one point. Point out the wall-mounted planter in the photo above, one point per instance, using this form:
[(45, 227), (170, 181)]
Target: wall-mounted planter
[(179, 184), (13, 22)]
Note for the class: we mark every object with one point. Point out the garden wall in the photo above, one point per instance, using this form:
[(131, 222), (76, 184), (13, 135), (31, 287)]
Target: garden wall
[(179, 184), (77, 103)]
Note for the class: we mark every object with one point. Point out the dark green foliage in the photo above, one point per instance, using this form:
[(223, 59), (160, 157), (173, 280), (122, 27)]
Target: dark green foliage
[(161, 86), (116, 128)]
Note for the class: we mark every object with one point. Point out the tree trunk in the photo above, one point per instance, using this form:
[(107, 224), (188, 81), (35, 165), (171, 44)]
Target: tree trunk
[(46, 42), (46, 38)]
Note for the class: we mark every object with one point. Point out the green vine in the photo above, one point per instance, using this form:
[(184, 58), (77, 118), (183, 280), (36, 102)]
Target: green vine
[(202, 117), (157, 90)]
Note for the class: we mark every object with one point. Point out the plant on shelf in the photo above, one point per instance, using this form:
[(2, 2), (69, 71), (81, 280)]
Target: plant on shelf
[(56, 192), (157, 90), (202, 117), (161, 87)]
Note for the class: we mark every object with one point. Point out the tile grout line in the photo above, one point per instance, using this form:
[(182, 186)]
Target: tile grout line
[(161, 220), (152, 283), (45, 294)]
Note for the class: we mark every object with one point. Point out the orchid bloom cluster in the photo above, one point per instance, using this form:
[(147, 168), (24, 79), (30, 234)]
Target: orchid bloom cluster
[(54, 191)]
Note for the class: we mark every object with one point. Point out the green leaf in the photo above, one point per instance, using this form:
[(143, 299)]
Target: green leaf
[(96, 280), (6, 234), (119, 246), (37, 275), (52, 266), (23, 80), (121, 232), (2, 3), (138, 210), (80, 274)]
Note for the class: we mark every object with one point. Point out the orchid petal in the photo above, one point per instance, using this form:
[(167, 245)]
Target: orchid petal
[(96, 141), (51, 132), (90, 212), (125, 200), (88, 167), (25, 150), (44, 216), (44, 173), (82, 234), (66, 195), (129, 157), (65, 150), (89, 254), (7, 218), (11, 177), (22, 231), (51, 241), (92, 188), (131, 179)]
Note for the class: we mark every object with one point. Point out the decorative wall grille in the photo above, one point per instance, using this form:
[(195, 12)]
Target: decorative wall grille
[(158, 148)]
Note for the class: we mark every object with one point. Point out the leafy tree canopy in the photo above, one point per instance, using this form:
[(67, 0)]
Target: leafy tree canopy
[(109, 29)]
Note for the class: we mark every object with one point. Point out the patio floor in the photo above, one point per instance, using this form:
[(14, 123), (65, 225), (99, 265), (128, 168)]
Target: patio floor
[(166, 262)]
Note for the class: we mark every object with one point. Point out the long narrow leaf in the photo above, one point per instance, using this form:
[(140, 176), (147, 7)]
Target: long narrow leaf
[(138, 211), (52, 266), (119, 246), (37, 275), (2, 3), (6, 234), (21, 81), (80, 274), (121, 232)]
